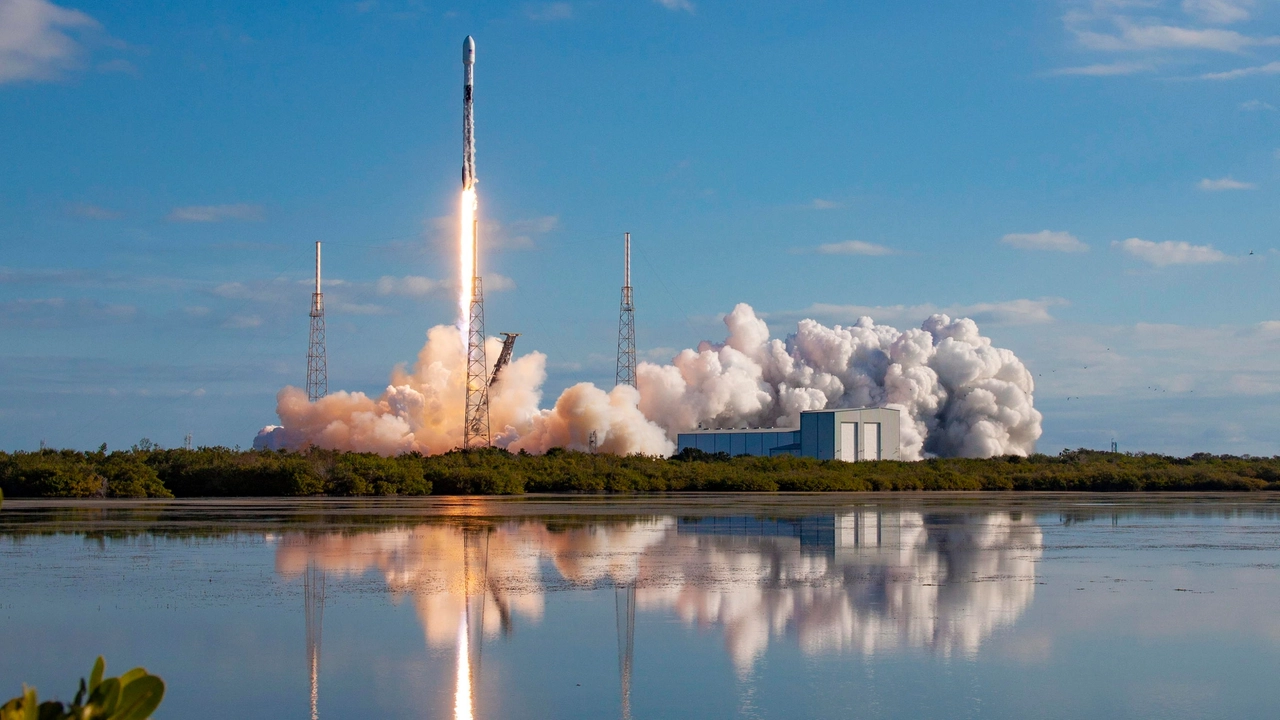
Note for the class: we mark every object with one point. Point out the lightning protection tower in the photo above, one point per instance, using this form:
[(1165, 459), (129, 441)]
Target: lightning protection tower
[(313, 600), (317, 364), (626, 322), (475, 430)]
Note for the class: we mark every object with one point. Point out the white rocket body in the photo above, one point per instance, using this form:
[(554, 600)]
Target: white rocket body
[(468, 121)]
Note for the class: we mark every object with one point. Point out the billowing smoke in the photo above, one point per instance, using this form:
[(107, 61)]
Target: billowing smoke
[(959, 395), (421, 410)]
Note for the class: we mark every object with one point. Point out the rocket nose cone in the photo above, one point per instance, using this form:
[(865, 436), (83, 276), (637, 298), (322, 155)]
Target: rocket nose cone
[(469, 50)]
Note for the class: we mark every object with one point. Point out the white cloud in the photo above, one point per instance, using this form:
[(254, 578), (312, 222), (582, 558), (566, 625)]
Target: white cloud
[(118, 65), (1045, 240), (216, 213), (242, 322), (521, 232), (547, 12), (1256, 106), (1219, 12), (35, 43), (409, 286), (1170, 252), (1009, 312), (1226, 183), (93, 212), (1134, 36), (684, 5), (340, 306), (498, 283), (494, 235), (854, 247), (820, 204), (1105, 69), (61, 312), (1271, 68)]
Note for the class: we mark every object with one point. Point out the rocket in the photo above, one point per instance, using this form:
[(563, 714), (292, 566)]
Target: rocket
[(468, 122)]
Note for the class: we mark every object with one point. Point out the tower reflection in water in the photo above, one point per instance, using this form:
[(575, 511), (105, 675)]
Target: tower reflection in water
[(862, 582)]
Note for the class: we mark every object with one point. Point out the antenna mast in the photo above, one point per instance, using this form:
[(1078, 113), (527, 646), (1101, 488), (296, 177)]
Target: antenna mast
[(626, 323), (317, 362)]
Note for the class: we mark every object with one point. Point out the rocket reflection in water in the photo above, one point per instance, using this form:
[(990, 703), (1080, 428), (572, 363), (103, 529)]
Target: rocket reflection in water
[(864, 582)]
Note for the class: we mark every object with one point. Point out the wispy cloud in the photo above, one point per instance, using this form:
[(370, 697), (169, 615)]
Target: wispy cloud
[(1045, 240), (854, 247), (548, 12), (1221, 184), (1156, 33), (681, 5), (1256, 106), (39, 40), (63, 312), (1009, 312), (93, 212), (1271, 68), (495, 235), (414, 286), (1219, 12), (1106, 69), (242, 322), (1132, 36), (1169, 252), (118, 65), (820, 204), (216, 213)]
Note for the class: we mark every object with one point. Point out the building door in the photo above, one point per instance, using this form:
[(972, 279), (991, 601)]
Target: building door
[(870, 442), (848, 441)]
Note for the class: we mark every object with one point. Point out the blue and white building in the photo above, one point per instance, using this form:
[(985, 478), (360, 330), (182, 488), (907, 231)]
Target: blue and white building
[(850, 435)]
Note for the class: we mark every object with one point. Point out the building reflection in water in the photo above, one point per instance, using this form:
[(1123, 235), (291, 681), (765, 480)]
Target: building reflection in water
[(863, 582)]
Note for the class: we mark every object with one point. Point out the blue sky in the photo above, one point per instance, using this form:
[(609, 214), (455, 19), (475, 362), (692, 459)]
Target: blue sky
[(1094, 182)]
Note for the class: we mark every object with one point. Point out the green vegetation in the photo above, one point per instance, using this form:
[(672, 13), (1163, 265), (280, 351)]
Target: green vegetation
[(132, 696), (148, 471)]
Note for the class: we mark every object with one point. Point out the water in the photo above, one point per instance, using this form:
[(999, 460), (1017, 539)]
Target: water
[(811, 606)]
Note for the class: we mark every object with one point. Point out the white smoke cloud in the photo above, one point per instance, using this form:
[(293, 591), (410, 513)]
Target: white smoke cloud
[(959, 395)]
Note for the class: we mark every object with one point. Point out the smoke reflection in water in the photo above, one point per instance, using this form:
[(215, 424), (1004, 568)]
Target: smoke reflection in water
[(863, 582)]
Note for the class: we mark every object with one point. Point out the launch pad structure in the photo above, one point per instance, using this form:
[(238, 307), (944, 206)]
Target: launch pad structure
[(626, 374), (317, 360)]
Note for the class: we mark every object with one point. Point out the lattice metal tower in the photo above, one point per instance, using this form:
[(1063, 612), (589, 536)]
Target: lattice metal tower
[(317, 363), (475, 430), (626, 323), (624, 608), (313, 597)]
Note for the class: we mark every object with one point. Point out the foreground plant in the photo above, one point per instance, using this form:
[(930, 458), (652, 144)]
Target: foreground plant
[(132, 696)]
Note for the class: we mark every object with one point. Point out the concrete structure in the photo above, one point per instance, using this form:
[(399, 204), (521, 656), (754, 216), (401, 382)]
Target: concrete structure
[(849, 435)]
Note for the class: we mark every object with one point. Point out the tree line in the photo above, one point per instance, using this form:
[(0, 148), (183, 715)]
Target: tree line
[(146, 470)]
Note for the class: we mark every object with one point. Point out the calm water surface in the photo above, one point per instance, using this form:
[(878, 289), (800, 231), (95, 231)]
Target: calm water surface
[(811, 606)]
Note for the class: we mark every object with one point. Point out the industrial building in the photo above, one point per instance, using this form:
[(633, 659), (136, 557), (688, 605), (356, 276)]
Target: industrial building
[(850, 435)]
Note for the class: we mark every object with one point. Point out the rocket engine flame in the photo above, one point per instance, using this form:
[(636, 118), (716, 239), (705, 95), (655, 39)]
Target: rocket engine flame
[(462, 696), (466, 256)]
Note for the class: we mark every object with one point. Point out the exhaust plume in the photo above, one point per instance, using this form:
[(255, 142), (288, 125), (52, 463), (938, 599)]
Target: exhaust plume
[(959, 395)]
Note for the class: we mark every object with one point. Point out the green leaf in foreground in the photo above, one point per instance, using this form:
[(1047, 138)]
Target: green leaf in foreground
[(132, 696)]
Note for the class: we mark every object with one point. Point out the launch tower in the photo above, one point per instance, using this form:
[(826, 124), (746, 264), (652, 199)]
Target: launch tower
[(626, 323), (317, 363), (313, 598)]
